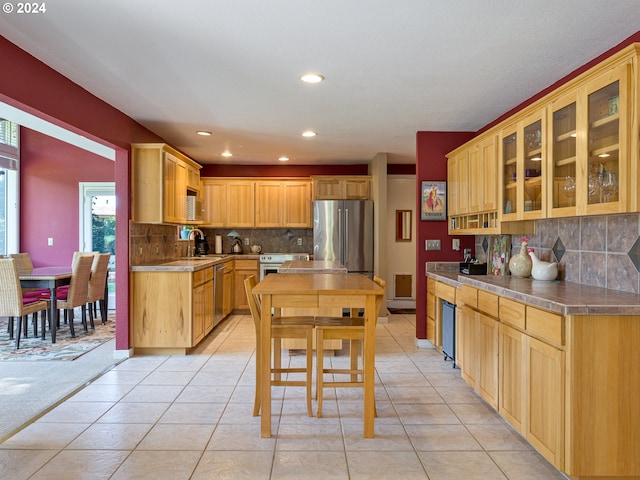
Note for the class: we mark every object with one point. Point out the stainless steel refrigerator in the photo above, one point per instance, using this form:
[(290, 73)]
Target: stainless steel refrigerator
[(343, 232)]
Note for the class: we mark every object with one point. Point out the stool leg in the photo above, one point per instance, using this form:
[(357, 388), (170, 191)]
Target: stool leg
[(319, 368), (309, 373)]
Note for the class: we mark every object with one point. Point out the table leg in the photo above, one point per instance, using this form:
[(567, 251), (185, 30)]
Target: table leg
[(265, 368), (53, 312), (369, 366)]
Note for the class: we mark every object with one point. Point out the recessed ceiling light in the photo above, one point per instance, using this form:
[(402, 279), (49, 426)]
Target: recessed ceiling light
[(227, 154), (284, 159), (312, 78), (204, 133), (309, 133)]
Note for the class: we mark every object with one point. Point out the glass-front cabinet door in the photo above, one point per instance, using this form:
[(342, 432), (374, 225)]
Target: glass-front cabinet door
[(509, 160), (563, 157), (523, 156), (604, 145), (533, 170)]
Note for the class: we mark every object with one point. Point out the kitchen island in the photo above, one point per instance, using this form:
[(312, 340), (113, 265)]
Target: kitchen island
[(559, 361), (312, 266)]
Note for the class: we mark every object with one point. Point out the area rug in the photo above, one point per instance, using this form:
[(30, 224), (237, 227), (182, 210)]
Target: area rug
[(65, 348)]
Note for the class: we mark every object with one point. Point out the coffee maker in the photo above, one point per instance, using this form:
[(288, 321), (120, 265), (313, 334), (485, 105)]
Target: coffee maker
[(202, 246)]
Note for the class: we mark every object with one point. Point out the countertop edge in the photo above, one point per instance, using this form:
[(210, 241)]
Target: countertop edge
[(189, 265), (561, 297)]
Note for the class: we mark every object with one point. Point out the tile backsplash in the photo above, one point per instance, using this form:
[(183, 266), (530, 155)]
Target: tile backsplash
[(603, 251), (150, 243)]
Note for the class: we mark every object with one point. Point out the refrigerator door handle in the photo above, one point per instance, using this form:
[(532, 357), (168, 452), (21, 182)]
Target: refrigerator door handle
[(346, 236), (340, 240)]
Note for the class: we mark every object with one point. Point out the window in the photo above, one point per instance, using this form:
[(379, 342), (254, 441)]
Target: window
[(9, 156)]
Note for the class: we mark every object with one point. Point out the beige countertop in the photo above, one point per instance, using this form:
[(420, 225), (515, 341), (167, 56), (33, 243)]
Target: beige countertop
[(312, 266), (190, 264), (558, 296)]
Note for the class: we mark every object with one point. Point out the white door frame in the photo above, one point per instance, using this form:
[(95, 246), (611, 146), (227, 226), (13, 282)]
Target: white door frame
[(88, 190)]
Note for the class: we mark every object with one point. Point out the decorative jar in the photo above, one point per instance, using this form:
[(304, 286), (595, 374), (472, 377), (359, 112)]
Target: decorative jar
[(520, 264)]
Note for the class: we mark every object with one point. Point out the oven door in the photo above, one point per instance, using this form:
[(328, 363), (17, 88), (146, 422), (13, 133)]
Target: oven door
[(267, 268)]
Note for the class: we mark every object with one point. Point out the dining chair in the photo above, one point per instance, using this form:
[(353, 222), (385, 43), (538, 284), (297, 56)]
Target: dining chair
[(13, 303), (287, 327), (97, 284), (76, 295), (342, 328)]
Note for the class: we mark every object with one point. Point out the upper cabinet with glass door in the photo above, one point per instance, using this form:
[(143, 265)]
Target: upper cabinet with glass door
[(606, 142), (523, 169), (589, 148)]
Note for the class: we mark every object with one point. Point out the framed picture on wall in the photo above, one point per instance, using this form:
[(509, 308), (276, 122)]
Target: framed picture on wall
[(434, 200)]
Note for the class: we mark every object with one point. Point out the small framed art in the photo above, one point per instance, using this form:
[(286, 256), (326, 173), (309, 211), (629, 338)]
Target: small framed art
[(434, 200)]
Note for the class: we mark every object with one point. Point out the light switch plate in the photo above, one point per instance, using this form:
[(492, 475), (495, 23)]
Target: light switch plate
[(432, 244)]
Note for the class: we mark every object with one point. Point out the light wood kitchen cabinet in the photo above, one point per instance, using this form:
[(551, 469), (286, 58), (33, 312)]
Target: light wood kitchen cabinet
[(202, 304), (297, 204), (240, 204), (228, 202), (572, 152), (341, 188), (467, 357), (512, 371), (244, 268), (252, 203), (590, 156), (215, 202), (523, 155), (431, 311), (544, 396), (170, 311), (488, 340), (283, 204), (160, 184), (472, 187), (567, 383)]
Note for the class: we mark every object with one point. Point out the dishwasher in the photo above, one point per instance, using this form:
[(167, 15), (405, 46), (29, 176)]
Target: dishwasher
[(218, 292), (449, 331)]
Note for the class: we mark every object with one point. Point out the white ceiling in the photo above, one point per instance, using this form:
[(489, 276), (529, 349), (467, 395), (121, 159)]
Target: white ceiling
[(392, 67)]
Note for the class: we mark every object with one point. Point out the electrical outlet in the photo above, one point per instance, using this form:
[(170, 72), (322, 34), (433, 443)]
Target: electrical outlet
[(50, 241), (432, 244), (246, 241), (299, 241), (455, 244)]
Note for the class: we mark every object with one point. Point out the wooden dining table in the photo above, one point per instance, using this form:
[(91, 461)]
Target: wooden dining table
[(51, 278), (311, 290)]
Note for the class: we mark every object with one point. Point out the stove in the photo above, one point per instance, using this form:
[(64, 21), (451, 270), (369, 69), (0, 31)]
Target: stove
[(271, 262)]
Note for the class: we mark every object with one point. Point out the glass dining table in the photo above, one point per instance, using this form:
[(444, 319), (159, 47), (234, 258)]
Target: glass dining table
[(51, 278)]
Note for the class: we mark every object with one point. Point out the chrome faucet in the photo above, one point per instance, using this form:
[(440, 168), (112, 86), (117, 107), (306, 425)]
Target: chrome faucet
[(191, 252), (195, 230)]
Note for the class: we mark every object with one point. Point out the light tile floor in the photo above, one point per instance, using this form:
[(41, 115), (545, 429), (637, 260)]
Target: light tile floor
[(190, 417)]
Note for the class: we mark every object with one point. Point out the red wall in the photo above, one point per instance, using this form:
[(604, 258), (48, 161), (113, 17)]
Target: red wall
[(431, 164), (35, 88), (49, 197)]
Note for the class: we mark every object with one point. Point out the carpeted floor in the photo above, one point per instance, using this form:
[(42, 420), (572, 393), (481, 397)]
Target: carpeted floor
[(66, 348)]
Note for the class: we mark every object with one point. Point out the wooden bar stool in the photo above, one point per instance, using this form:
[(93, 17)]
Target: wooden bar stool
[(341, 328), (287, 327)]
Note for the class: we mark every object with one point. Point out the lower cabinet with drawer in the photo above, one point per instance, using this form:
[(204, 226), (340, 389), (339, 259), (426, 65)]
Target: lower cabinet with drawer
[(568, 384), (170, 311)]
